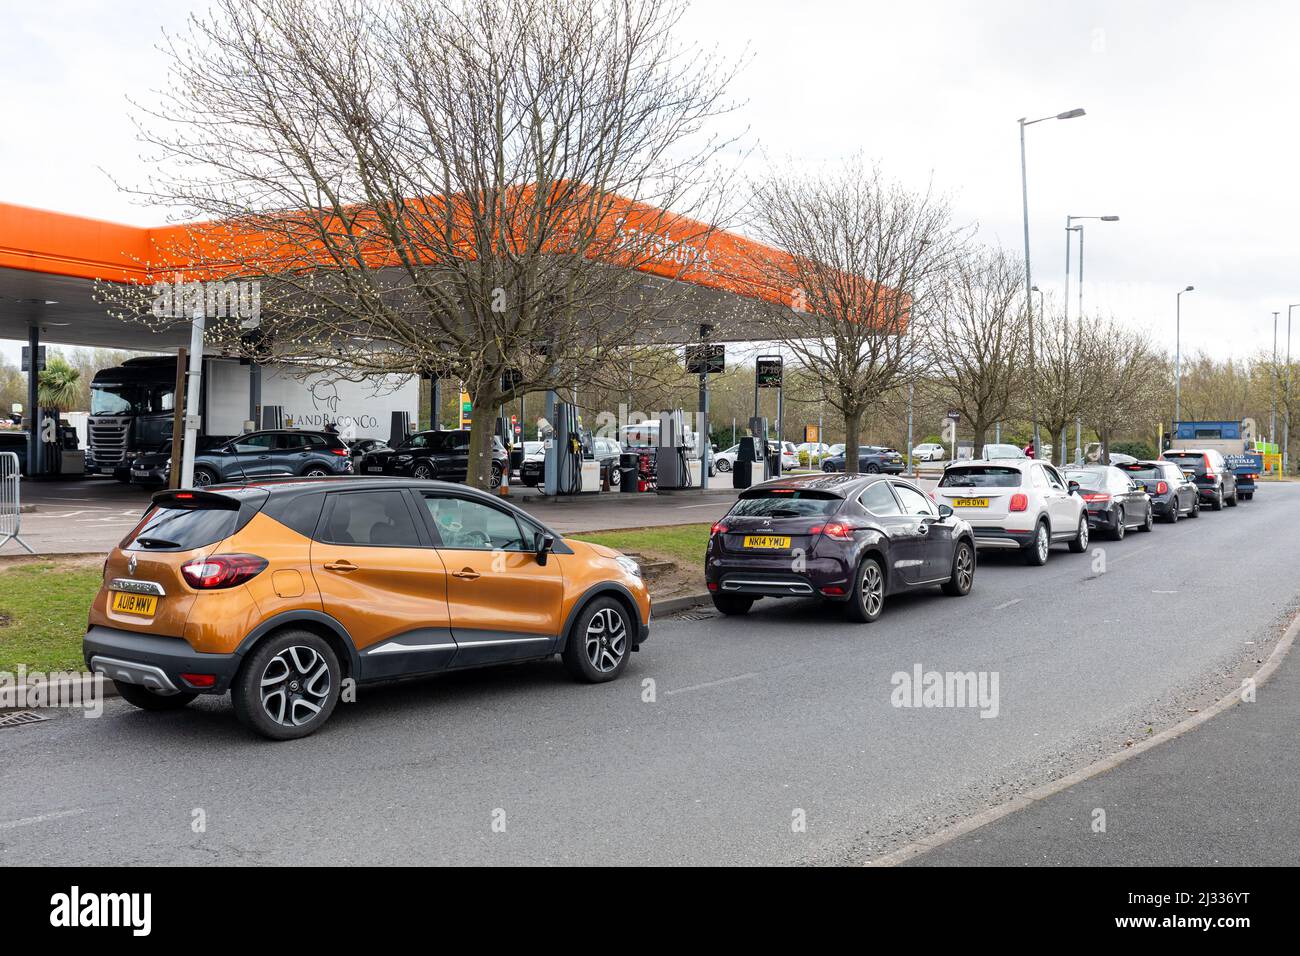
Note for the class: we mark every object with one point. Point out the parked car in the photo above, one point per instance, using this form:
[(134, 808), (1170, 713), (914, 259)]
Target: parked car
[(872, 459), (251, 457), (604, 450), (1172, 493), (1215, 480), (861, 538), (1116, 501), (725, 460), (996, 450), (1016, 503), (360, 447), (278, 592), (929, 451), (433, 454)]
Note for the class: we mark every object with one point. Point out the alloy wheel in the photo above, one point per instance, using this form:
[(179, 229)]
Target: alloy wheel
[(1042, 543), (965, 568), (606, 639), (202, 478), (295, 685), (317, 473), (422, 472), (1083, 533), (873, 588)]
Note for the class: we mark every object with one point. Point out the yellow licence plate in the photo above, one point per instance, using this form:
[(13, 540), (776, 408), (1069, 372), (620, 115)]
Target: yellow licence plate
[(970, 502), (766, 541), (128, 603)]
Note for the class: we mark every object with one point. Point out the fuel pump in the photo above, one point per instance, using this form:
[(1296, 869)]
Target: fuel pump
[(672, 469), (562, 469)]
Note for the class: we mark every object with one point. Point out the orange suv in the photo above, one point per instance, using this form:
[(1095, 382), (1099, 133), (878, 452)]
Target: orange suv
[(282, 591)]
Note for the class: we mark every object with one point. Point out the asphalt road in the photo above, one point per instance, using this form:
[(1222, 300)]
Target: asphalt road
[(756, 724)]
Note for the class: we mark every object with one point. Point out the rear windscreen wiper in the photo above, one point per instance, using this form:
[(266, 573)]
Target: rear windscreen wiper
[(157, 543)]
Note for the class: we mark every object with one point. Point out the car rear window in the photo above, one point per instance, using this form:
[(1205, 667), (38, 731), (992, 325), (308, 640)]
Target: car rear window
[(981, 476), (181, 529), (1087, 477), (1189, 462), (786, 503), (1139, 470)]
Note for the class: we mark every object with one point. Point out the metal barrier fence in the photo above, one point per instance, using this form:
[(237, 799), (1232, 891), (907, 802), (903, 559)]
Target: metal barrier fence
[(11, 506)]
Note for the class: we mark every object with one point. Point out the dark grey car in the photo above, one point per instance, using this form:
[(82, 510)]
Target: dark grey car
[(1116, 503), (1173, 494), (272, 454)]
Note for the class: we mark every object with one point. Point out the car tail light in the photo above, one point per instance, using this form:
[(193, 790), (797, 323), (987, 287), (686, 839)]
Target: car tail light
[(222, 570), (1161, 487), (1096, 496), (713, 585), (1209, 472), (833, 529), (341, 452), (1019, 502), (832, 589), (718, 528), (200, 680)]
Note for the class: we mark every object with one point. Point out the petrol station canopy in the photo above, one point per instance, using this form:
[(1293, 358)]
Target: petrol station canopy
[(50, 263)]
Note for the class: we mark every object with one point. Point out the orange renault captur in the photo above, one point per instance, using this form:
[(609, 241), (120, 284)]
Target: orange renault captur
[(281, 591)]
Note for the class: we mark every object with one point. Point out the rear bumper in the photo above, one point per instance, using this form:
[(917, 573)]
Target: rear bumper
[(1164, 506), (1106, 519), (773, 577), (155, 662), (1004, 538)]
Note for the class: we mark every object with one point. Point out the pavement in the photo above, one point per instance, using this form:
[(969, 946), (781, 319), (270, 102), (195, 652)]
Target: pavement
[(1224, 794), (773, 738)]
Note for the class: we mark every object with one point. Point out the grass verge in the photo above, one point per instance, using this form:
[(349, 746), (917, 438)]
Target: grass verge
[(43, 607), (682, 544)]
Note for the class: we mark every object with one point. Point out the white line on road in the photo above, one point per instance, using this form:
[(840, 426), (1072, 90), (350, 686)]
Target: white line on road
[(28, 821), (712, 683), (1006, 604), (1129, 554)]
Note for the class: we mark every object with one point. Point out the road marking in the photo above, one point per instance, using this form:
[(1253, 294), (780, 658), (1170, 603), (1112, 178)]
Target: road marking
[(1164, 592), (28, 821), (712, 683), (707, 504), (1006, 604)]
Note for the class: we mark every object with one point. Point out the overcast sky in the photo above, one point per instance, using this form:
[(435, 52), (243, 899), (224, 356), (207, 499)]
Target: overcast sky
[(1190, 133)]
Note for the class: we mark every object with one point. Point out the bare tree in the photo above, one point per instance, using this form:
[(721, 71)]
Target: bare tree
[(981, 338), (1059, 381), (468, 189), (1128, 381), (858, 259)]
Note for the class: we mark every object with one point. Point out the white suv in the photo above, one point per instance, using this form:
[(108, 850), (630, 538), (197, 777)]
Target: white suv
[(1016, 503)]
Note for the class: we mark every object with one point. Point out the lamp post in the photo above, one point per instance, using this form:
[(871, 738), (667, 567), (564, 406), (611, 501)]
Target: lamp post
[(1178, 355), (1029, 281), (1070, 227), (1286, 436), (1272, 425)]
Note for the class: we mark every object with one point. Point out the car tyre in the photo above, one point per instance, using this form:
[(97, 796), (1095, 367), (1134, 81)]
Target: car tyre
[(422, 471), (1150, 523), (732, 605), (867, 599), (1172, 517), (1217, 504), (963, 571), (1037, 551), (288, 686), (600, 642), (1079, 543), (1196, 507), (146, 699), (494, 479), (1232, 502), (204, 476), (873, 468), (316, 471), (722, 465)]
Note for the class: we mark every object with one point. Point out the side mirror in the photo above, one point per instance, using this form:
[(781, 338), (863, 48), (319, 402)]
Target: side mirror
[(714, 447), (543, 543), (1074, 487), (945, 511)]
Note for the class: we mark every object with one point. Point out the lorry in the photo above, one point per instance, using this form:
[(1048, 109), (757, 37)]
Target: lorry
[(1234, 440), (132, 406)]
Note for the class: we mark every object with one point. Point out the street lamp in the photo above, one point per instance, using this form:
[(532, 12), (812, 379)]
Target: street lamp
[(1178, 355), (1069, 227), (1029, 281), (1272, 425), (1286, 437)]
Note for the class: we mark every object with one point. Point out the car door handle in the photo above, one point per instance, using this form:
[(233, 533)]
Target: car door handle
[(923, 529), (466, 574), (342, 564)]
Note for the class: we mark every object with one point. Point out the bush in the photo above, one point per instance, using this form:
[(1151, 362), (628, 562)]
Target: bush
[(1138, 449)]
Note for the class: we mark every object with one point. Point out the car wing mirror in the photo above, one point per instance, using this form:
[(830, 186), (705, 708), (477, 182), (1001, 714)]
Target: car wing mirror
[(945, 511), (1074, 487), (543, 544)]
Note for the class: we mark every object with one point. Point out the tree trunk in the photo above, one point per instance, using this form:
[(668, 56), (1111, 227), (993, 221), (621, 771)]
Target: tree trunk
[(852, 425), (486, 398), (981, 430)]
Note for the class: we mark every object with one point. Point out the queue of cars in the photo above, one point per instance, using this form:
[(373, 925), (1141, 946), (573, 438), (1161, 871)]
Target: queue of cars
[(857, 539)]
